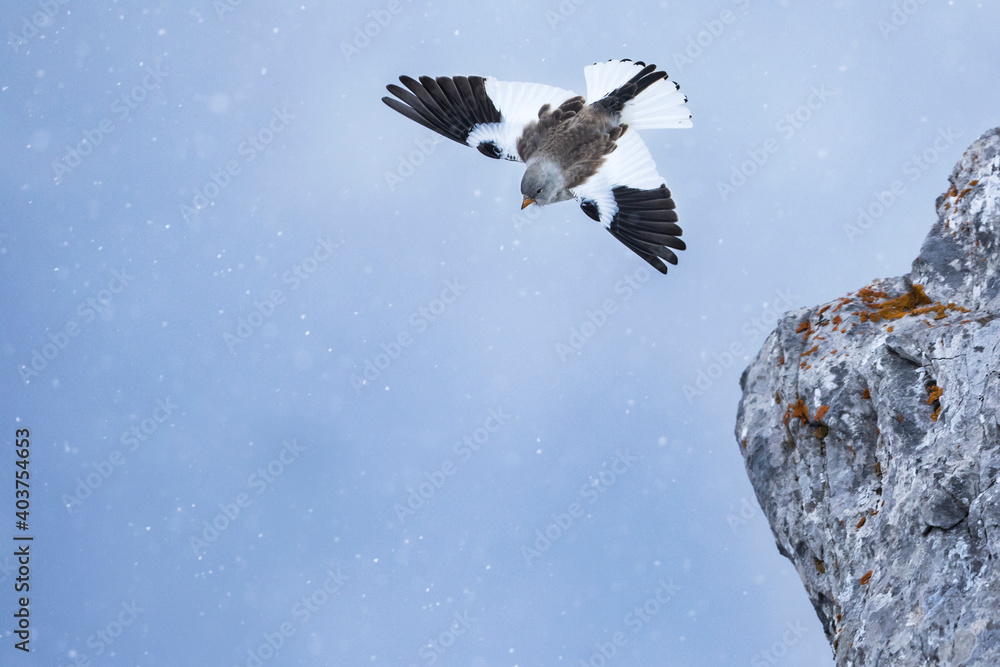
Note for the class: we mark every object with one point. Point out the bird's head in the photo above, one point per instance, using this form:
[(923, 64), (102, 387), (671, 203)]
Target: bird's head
[(543, 183)]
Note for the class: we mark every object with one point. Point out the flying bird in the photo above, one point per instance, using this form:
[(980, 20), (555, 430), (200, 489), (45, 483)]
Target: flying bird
[(571, 150)]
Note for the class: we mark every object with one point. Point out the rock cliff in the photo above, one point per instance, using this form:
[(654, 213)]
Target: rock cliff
[(869, 429)]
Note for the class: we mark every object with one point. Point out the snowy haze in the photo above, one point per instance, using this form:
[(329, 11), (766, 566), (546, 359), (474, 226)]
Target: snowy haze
[(298, 376)]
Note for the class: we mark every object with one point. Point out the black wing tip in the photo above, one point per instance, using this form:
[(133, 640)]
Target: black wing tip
[(450, 106), (646, 223), (654, 260), (490, 149), (590, 208)]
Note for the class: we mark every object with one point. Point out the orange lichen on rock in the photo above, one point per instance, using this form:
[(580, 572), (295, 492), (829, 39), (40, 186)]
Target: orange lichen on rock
[(933, 398), (805, 328), (869, 296), (809, 351), (837, 319), (861, 523), (941, 309), (866, 393), (891, 309), (866, 577), (913, 303), (798, 410), (843, 301), (821, 412)]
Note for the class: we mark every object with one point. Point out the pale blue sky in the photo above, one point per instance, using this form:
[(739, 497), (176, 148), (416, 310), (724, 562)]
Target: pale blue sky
[(209, 480)]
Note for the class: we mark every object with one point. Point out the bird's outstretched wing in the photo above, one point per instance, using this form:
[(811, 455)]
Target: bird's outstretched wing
[(632, 201), (477, 111)]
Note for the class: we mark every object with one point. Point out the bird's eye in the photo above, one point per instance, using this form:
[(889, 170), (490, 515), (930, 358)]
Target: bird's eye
[(539, 191)]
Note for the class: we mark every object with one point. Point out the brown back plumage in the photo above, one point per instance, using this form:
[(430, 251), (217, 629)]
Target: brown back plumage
[(535, 133), (575, 137), (578, 137)]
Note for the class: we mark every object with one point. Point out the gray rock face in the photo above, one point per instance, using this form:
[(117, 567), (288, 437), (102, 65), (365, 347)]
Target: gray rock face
[(869, 428)]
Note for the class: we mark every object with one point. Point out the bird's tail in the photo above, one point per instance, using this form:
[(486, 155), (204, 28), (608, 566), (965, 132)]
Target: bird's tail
[(645, 98)]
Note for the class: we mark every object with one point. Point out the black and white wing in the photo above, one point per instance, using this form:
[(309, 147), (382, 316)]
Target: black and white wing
[(473, 110), (632, 201)]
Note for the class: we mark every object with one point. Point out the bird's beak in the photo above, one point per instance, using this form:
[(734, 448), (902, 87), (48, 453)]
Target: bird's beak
[(528, 201)]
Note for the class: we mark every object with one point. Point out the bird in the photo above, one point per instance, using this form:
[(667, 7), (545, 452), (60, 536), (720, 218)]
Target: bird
[(571, 149)]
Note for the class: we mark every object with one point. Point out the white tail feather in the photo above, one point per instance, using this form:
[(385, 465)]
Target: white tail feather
[(659, 106), (602, 78)]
